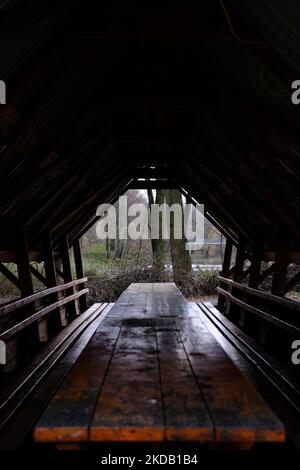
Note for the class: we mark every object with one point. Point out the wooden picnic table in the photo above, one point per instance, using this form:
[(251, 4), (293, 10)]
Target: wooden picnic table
[(154, 372)]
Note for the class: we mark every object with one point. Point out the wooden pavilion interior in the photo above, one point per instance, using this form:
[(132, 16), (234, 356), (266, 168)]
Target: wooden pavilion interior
[(102, 98)]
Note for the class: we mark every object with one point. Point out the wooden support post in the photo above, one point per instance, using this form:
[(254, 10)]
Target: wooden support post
[(225, 269), (49, 262), (58, 317), (23, 263), (273, 335), (10, 276), (79, 272), (67, 272), (239, 262), (292, 282), (280, 268), (253, 325), (38, 275), (65, 258), (237, 277), (31, 337), (254, 279)]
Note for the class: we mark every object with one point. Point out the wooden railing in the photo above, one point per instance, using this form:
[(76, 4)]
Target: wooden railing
[(276, 304), (39, 295), (55, 298)]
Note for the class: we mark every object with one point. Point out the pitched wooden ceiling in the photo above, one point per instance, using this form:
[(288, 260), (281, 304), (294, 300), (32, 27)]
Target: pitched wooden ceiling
[(97, 94)]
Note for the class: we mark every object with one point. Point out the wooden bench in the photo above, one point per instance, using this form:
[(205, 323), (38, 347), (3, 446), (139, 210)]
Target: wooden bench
[(154, 372), (23, 400)]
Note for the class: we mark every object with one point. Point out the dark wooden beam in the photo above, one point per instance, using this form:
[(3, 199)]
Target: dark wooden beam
[(157, 184), (280, 269), (32, 338), (255, 269), (292, 282), (67, 273), (238, 275), (58, 317), (239, 262), (10, 276), (227, 258), (38, 275), (225, 270), (266, 273), (79, 272), (23, 262), (65, 258), (49, 262)]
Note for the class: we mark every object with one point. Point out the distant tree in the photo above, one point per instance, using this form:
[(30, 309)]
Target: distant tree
[(158, 245), (181, 260)]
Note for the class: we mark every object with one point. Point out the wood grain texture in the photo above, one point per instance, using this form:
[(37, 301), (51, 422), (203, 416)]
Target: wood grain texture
[(154, 372)]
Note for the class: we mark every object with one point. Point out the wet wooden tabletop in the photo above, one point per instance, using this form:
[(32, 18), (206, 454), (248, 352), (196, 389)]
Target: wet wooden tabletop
[(154, 372)]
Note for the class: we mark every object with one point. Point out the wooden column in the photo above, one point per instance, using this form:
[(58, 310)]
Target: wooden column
[(58, 317), (239, 261), (254, 278), (67, 273), (253, 325), (65, 259), (49, 262), (225, 270), (273, 335), (79, 272), (234, 313), (23, 263), (280, 269), (29, 341)]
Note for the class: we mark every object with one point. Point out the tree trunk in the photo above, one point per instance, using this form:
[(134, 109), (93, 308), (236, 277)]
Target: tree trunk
[(158, 246), (181, 260)]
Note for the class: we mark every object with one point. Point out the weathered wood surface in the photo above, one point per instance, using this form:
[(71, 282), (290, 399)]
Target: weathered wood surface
[(24, 400), (153, 372)]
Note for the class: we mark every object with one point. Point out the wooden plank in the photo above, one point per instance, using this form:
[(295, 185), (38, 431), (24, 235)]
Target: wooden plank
[(255, 354), (49, 350), (18, 390), (186, 415), (238, 412), (38, 315), (68, 416), (60, 364), (133, 412)]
